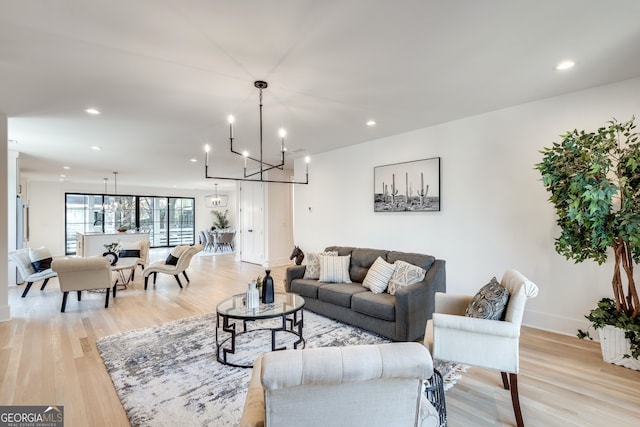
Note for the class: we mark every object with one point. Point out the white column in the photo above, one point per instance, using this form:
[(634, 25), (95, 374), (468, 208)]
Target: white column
[(5, 312)]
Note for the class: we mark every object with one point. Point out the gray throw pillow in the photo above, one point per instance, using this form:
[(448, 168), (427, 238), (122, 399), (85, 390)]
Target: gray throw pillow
[(489, 302)]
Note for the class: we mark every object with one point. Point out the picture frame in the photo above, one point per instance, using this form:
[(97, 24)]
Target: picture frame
[(412, 186)]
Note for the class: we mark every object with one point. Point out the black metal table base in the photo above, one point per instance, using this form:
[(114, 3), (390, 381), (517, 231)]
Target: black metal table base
[(434, 390), (291, 323)]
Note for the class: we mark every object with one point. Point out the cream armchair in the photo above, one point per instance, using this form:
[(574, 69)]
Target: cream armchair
[(21, 259), (80, 274), (182, 264), (364, 385), (142, 246), (491, 344)]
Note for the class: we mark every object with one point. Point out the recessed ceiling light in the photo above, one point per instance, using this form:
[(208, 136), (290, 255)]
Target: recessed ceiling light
[(66, 167), (565, 65), (371, 123), (63, 175), (193, 160), (92, 111), (96, 148)]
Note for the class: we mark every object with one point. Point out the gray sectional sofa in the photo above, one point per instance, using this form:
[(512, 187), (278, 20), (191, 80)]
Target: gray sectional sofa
[(400, 317)]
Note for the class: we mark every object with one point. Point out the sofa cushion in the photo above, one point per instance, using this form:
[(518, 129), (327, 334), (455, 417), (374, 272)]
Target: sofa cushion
[(312, 269), (422, 261), (377, 278), (405, 274), (306, 288), (489, 302), (362, 260), (334, 269), (381, 306), (339, 294)]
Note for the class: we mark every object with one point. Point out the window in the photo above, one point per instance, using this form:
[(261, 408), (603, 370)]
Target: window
[(168, 220)]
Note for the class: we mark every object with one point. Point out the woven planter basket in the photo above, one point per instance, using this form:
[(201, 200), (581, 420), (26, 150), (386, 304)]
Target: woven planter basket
[(614, 346)]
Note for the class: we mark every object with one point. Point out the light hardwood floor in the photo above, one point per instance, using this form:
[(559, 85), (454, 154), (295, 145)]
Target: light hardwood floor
[(48, 357)]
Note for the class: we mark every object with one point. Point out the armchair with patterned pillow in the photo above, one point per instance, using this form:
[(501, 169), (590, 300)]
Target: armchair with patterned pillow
[(484, 330)]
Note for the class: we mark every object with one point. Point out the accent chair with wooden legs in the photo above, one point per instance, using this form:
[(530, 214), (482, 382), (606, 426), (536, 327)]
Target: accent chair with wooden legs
[(81, 274), (490, 344), (180, 266)]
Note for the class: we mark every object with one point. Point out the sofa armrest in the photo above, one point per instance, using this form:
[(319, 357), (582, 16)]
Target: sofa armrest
[(477, 326), (253, 412), (294, 272), (416, 303)]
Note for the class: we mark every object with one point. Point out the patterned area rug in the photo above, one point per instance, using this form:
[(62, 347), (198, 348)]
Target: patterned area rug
[(167, 375)]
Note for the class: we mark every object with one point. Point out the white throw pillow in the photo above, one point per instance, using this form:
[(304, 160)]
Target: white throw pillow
[(312, 268), (377, 278), (172, 258), (405, 274), (334, 269), (130, 249), (40, 258)]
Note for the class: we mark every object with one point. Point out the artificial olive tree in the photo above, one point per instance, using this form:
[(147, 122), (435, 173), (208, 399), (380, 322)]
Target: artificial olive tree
[(594, 181)]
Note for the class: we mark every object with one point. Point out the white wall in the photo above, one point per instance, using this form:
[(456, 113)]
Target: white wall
[(495, 212), (5, 236), (46, 201)]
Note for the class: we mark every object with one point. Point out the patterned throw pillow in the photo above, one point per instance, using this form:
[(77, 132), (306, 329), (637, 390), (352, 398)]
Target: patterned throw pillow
[(130, 249), (334, 269), (377, 278), (405, 274), (172, 259), (40, 259), (489, 302), (312, 269)]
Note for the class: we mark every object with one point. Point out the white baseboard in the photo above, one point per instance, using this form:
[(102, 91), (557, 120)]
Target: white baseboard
[(554, 323)]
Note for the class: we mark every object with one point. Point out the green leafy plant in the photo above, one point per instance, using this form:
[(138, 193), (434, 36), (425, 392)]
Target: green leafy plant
[(112, 247), (594, 181), (221, 221), (604, 314)]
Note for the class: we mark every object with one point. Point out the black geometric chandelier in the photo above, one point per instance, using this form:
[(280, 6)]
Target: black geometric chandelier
[(257, 176)]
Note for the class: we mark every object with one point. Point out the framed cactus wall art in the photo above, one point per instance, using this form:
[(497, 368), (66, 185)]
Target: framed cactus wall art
[(407, 187)]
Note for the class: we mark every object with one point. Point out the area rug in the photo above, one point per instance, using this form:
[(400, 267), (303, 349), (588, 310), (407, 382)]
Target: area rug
[(167, 375)]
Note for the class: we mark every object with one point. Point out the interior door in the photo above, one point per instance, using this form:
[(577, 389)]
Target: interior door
[(252, 222)]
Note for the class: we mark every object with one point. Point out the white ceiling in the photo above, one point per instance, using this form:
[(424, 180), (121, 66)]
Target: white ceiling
[(166, 73)]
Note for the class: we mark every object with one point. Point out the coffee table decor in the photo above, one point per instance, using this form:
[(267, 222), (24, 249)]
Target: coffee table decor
[(167, 375)]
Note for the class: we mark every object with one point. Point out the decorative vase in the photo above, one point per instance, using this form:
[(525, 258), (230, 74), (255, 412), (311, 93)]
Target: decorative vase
[(252, 296), (267, 288), (614, 346)]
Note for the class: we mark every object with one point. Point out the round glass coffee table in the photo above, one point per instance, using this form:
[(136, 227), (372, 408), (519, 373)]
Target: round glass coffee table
[(284, 316)]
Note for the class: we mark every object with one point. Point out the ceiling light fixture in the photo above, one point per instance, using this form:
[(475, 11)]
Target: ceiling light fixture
[(565, 65), (257, 176), (216, 200), (371, 123), (92, 111), (96, 148)]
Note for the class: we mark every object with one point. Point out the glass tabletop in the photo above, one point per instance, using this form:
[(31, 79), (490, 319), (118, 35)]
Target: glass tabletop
[(284, 303)]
